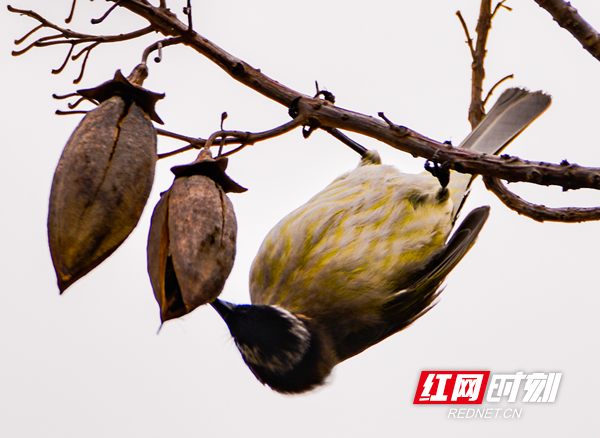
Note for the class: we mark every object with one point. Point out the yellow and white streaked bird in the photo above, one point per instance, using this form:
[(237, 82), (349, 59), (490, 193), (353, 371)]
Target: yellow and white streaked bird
[(361, 260)]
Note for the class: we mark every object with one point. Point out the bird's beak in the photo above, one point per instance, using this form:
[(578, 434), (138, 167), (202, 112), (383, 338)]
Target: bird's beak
[(223, 308)]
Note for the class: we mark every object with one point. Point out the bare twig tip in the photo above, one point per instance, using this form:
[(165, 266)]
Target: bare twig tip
[(489, 94), (70, 17), (68, 113), (106, 14)]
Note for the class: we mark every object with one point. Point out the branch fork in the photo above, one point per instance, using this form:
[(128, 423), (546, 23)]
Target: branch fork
[(322, 114)]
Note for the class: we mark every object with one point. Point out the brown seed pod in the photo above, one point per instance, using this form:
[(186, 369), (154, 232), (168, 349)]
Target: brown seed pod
[(191, 246), (100, 186)]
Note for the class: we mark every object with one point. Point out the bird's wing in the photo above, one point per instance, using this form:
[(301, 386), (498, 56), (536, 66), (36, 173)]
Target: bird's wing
[(406, 306)]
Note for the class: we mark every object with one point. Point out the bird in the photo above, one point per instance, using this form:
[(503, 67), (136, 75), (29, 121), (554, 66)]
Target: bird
[(361, 260)]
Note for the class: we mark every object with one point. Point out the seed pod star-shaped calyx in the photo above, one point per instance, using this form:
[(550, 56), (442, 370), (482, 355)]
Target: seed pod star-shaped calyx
[(129, 89), (192, 240)]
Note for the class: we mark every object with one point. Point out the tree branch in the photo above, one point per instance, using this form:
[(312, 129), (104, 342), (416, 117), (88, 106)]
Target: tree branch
[(327, 115), (167, 23), (568, 18), (539, 213), (512, 169), (320, 113), (67, 36), (484, 23)]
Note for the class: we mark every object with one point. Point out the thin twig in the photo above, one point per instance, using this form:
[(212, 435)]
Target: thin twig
[(38, 43), (84, 50), (76, 104), (498, 6), (159, 44), (64, 96), (158, 58), (236, 150), (70, 17), (356, 147), (401, 131), (189, 147), (188, 12), (68, 113), (230, 137), (467, 34), (176, 136), (64, 64), (66, 32), (106, 14), (221, 144), (536, 212), (87, 51), (28, 34), (489, 94), (74, 37), (67, 36)]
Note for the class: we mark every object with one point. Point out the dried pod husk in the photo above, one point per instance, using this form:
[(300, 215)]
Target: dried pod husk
[(101, 184), (191, 246)]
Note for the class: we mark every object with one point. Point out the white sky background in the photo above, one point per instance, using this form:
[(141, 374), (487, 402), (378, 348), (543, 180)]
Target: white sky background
[(90, 364)]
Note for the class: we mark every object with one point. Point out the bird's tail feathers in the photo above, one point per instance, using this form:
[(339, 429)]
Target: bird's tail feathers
[(514, 111)]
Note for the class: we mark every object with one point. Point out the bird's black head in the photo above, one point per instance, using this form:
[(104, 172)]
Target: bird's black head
[(283, 350)]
